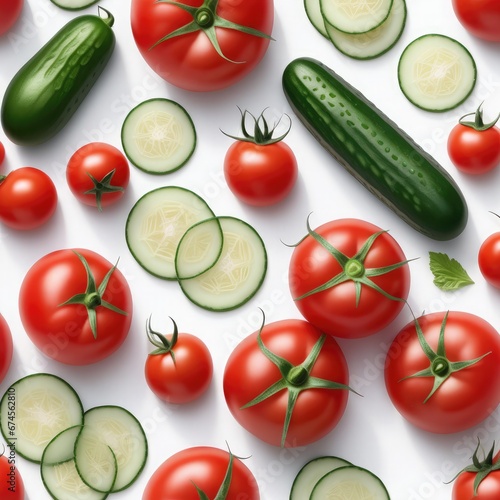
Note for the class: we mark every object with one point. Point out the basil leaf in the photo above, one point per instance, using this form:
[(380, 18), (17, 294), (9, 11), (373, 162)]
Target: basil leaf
[(448, 273)]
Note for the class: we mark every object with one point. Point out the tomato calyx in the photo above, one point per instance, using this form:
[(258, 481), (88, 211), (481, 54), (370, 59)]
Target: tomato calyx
[(160, 341), (91, 299), (206, 19), (102, 187), (353, 268), (262, 132), (478, 122), (441, 368), (294, 379)]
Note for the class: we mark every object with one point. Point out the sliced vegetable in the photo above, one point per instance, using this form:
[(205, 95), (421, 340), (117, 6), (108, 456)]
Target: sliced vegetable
[(374, 150), (35, 409), (448, 273), (436, 73), (74, 4), (158, 136), (237, 274), (157, 222), (313, 11)]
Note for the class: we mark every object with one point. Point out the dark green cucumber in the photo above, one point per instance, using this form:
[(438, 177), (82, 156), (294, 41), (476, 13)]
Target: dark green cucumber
[(47, 90), (375, 150)]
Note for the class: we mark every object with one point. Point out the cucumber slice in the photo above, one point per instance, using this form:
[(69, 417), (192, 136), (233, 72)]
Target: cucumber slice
[(355, 16), (374, 43), (158, 136), (199, 248), (61, 478), (313, 12), (237, 274), (73, 4), (436, 73), (157, 222), (122, 432), (37, 408), (311, 473), (350, 483)]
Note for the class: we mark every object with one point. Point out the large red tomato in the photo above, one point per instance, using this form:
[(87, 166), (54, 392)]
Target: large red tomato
[(349, 278), (10, 11), (305, 368), (203, 468), (12, 485), (479, 17), (75, 306), (6, 348), (442, 371), (216, 53)]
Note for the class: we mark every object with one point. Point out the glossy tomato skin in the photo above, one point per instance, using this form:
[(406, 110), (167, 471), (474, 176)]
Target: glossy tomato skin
[(10, 11), (468, 396), (187, 378), (204, 467), (489, 259), (480, 17), (260, 175), (190, 61), (334, 310), (97, 159), (248, 372), (2, 153), (12, 485), (489, 488), (63, 332), (474, 152), (6, 348), (28, 198)]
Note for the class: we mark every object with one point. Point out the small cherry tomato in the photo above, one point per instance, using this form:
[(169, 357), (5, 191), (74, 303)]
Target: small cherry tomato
[(473, 146), (10, 10), (98, 174), (28, 198), (489, 259), (259, 169), (12, 485), (180, 369), (5, 348)]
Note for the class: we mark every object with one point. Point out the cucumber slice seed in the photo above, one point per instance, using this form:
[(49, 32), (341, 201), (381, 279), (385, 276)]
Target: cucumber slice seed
[(74, 4), (313, 12), (436, 73), (158, 136)]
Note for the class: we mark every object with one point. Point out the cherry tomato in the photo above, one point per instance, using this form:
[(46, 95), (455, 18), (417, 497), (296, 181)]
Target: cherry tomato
[(306, 355), (205, 468), (209, 57), (180, 369), (28, 198), (447, 397), (361, 301), (10, 11), (11, 485), (480, 17), (75, 306), (489, 259), (260, 170), (474, 147), (2, 153), (6, 348), (97, 174)]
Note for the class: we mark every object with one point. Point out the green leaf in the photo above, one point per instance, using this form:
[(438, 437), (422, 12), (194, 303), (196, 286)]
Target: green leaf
[(448, 273)]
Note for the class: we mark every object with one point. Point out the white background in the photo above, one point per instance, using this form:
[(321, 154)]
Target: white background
[(413, 464)]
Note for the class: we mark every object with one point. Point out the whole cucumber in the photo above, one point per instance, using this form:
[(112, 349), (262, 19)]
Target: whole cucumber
[(47, 90), (380, 155)]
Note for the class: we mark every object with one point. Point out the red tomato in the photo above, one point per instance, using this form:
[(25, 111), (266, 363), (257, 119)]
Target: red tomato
[(180, 369), (72, 314), (489, 259), (190, 60), (98, 174), (203, 467), (10, 10), (480, 17), (250, 371), (28, 198), (11, 486), (2, 153), (351, 308), (6, 348), (466, 396), (259, 169)]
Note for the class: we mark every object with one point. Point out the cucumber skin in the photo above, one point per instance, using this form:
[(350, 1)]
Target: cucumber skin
[(375, 150), (48, 89)]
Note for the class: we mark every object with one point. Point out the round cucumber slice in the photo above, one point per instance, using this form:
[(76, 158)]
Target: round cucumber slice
[(313, 12), (73, 4), (237, 274), (436, 73), (158, 136)]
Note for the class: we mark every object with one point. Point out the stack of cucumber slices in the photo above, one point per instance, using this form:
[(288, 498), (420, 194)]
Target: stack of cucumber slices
[(82, 455), (219, 262)]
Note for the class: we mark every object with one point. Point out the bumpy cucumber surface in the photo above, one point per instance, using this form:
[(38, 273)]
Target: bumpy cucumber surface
[(375, 150), (48, 89)]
